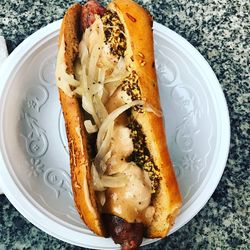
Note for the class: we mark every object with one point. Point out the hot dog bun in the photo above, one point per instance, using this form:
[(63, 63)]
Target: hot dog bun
[(167, 199), (82, 183), (138, 24)]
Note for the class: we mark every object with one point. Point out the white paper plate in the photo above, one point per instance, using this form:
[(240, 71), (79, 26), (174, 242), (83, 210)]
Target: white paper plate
[(34, 164)]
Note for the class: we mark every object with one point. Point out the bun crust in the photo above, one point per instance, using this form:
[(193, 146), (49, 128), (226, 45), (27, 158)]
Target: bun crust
[(82, 183), (167, 200)]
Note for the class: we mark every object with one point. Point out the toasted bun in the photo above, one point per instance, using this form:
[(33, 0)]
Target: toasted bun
[(82, 184), (167, 200), (138, 26)]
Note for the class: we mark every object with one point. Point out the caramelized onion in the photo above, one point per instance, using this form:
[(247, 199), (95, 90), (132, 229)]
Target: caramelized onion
[(91, 128), (149, 108), (108, 122), (103, 182)]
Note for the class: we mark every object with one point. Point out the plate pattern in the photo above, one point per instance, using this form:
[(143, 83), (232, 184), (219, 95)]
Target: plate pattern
[(34, 156), (181, 98), (36, 140)]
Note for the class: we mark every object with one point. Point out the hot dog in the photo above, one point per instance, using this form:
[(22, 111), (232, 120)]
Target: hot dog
[(123, 180)]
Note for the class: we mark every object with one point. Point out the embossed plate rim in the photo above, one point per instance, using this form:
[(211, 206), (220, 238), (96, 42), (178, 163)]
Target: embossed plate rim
[(75, 237), (201, 199)]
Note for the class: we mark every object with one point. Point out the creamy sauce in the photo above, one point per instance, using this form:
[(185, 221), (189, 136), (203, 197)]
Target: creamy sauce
[(121, 147), (121, 142), (118, 98), (130, 202)]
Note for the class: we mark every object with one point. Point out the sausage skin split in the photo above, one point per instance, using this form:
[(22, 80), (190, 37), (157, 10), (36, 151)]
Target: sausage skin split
[(128, 235)]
